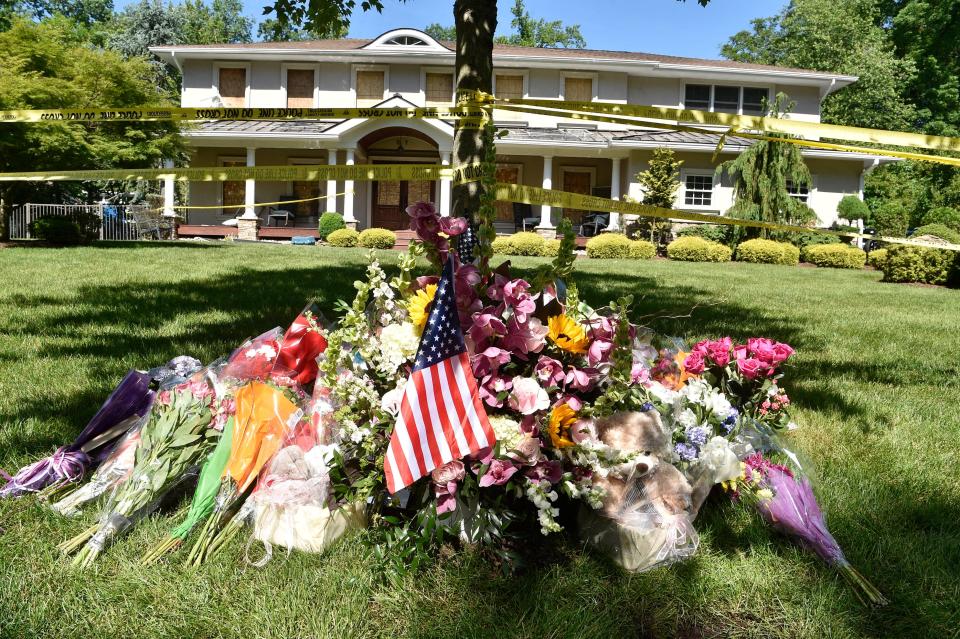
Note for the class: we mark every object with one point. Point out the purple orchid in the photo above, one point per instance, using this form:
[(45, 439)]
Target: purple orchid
[(549, 371), (498, 474)]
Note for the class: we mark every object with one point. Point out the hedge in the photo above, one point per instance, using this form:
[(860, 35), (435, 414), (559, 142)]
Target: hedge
[(330, 222), (344, 238), (803, 240), (712, 232), (609, 246), (945, 215), (942, 231), (834, 256), (377, 238), (925, 265), (877, 258), (551, 248), (642, 250), (56, 229), (523, 243), (697, 249), (761, 251)]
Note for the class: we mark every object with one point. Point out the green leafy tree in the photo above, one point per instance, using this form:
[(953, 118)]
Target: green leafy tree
[(538, 32), (84, 12), (660, 183), (271, 30), (47, 68), (221, 21), (440, 32), (760, 175)]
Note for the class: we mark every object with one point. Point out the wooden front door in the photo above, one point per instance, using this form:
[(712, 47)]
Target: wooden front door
[(392, 197), (576, 181)]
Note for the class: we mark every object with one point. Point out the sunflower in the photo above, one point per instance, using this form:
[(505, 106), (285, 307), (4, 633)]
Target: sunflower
[(562, 417), (567, 334), (418, 306)]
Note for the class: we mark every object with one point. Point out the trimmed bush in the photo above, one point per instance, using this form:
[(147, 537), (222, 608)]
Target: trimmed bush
[(376, 238), (834, 256), (761, 251), (942, 231), (697, 249), (344, 238), (609, 246), (853, 208), (877, 258), (330, 222), (642, 250), (56, 229), (891, 219), (523, 243), (917, 264), (550, 248), (803, 240), (712, 232), (946, 215)]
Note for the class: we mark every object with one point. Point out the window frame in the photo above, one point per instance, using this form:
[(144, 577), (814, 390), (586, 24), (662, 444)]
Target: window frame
[(287, 66), (682, 192), (594, 82), (811, 189), (215, 85), (354, 72), (740, 86), (444, 70), (524, 76)]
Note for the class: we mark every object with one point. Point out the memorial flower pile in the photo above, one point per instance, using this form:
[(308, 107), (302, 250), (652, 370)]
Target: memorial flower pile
[(568, 419)]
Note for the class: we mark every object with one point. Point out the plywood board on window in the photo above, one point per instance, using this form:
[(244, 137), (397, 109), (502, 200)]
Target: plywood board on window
[(576, 182), (370, 85), (439, 89), (233, 87), (578, 89), (509, 87), (299, 88)]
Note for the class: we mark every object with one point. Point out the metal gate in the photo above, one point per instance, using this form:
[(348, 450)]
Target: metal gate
[(117, 221)]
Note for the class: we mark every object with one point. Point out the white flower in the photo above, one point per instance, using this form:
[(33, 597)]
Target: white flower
[(507, 432), (719, 405), (687, 418), (392, 398), (719, 459), (528, 396), (398, 345), (661, 392)]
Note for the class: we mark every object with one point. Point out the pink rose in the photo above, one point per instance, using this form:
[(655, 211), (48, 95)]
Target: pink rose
[(498, 474), (740, 352), (781, 352), (694, 363), (751, 368), (452, 471), (719, 351), (421, 209), (528, 396), (527, 451), (762, 349), (701, 347)]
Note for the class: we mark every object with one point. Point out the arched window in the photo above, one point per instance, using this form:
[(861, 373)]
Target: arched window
[(406, 41)]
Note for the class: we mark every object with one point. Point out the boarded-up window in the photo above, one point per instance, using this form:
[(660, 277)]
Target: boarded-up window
[(303, 190), (439, 89), (576, 181), (370, 87), (509, 87), (508, 175), (419, 191), (233, 192), (578, 89), (233, 87), (299, 88)]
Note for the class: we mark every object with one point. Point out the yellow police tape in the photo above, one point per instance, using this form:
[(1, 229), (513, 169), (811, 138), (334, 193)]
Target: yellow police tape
[(191, 207), (180, 114), (758, 123), (815, 144), (533, 195), (355, 172)]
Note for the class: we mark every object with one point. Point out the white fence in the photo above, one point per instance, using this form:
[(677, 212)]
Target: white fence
[(117, 221)]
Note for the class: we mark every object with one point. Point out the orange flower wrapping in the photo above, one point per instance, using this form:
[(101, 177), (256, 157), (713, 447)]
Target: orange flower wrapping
[(261, 424), (299, 349)]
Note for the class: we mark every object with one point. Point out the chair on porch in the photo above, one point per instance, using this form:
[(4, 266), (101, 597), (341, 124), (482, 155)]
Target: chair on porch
[(281, 212), (594, 222), (523, 216)]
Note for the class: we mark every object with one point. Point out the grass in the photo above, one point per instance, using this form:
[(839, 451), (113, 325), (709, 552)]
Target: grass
[(875, 385)]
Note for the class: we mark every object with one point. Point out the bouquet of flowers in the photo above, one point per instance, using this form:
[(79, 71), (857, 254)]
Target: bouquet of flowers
[(129, 401), (180, 432)]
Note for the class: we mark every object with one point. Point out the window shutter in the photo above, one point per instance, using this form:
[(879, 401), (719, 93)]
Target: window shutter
[(233, 87), (439, 88), (578, 89), (370, 85), (509, 87), (300, 88)]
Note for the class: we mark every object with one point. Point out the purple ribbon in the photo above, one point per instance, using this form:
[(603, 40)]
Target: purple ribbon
[(132, 397)]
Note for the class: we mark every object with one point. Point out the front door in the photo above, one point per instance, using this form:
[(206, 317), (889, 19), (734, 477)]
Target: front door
[(392, 197)]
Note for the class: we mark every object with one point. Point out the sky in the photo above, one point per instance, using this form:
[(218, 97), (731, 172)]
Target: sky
[(651, 26)]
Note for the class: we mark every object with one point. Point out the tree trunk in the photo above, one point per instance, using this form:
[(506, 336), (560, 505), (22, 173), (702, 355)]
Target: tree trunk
[(475, 21)]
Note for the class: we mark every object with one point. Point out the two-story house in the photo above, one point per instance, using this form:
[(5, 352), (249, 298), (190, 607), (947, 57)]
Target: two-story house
[(407, 67)]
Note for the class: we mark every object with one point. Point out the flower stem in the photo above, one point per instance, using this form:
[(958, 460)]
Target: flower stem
[(73, 544), (866, 592)]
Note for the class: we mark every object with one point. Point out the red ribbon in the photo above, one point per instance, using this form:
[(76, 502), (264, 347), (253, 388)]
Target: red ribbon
[(299, 349)]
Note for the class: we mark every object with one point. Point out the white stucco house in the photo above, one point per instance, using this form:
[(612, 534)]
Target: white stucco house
[(408, 67)]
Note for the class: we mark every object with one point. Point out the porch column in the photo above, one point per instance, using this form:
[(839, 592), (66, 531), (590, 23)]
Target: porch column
[(546, 227), (614, 193), (168, 191), (248, 223), (332, 184), (348, 217), (445, 187)]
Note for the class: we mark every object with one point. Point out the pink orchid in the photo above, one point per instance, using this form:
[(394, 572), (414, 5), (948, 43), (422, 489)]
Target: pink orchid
[(445, 480), (516, 294), (422, 209), (489, 361), (491, 387), (583, 430), (495, 290), (499, 473), (524, 338), (602, 328), (577, 379), (486, 326), (453, 226), (530, 427), (425, 280), (599, 352), (570, 400), (639, 373), (549, 371)]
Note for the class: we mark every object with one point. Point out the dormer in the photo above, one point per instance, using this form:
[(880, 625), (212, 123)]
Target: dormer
[(405, 41)]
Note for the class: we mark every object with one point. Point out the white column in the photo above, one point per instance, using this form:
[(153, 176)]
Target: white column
[(614, 193), (250, 190), (168, 191), (332, 184), (545, 222), (445, 187), (348, 217)]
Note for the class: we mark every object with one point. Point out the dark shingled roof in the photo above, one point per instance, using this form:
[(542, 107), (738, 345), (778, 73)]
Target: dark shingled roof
[(284, 127), (682, 137)]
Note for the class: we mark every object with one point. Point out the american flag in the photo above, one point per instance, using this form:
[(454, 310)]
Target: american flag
[(441, 415)]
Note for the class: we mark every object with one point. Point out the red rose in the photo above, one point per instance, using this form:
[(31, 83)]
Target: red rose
[(751, 368), (694, 363)]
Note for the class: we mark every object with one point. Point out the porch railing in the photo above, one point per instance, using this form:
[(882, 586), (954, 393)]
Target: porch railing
[(117, 221)]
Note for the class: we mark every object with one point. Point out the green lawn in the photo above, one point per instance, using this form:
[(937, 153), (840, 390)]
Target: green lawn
[(876, 383)]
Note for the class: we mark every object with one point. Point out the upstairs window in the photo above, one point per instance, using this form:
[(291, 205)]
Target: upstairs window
[(232, 86), (370, 87), (509, 87), (406, 41), (439, 89), (698, 190), (299, 88), (578, 89), (799, 192), (725, 98)]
